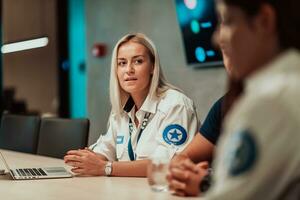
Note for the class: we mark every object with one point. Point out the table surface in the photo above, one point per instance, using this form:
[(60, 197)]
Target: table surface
[(72, 188)]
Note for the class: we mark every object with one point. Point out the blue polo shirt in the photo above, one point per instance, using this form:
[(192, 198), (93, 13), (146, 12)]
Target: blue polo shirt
[(211, 127)]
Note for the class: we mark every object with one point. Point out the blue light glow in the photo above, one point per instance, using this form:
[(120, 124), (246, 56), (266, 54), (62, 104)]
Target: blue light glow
[(210, 53), (199, 11), (185, 14), (200, 54), (65, 65), (77, 49), (195, 26), (206, 25)]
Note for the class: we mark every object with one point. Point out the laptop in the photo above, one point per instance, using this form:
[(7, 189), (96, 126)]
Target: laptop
[(36, 173)]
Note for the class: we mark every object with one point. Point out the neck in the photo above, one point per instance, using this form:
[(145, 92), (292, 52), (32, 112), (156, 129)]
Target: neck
[(271, 50), (139, 98)]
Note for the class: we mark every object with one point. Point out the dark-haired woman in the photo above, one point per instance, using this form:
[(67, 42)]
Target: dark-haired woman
[(258, 154)]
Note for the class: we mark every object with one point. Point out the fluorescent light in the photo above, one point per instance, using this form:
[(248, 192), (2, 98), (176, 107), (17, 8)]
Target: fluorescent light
[(24, 45)]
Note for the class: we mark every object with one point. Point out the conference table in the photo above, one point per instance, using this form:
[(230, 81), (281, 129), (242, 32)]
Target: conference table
[(101, 188)]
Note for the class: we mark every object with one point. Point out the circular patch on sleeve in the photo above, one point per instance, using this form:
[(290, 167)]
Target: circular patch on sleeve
[(243, 153), (175, 134)]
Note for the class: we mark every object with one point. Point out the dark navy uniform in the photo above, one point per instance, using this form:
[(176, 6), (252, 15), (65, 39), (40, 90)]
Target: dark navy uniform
[(211, 126)]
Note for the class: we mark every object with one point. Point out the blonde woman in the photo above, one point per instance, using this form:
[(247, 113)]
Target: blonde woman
[(148, 116)]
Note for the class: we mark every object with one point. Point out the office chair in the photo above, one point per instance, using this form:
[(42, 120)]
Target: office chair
[(57, 136), (19, 133)]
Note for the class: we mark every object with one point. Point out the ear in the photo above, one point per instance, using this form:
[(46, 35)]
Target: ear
[(152, 69), (266, 20), (216, 38)]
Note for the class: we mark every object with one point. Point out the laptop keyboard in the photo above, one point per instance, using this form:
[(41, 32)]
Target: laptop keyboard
[(31, 172)]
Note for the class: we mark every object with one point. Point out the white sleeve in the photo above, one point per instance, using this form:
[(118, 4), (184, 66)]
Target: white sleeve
[(106, 144), (258, 157), (177, 129)]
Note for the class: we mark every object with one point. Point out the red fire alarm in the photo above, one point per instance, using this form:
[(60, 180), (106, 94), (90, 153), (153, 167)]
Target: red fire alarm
[(99, 50)]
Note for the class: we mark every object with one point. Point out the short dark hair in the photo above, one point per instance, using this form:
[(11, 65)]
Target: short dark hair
[(287, 14)]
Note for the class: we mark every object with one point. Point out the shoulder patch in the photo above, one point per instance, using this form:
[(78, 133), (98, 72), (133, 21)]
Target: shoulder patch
[(175, 134), (242, 154)]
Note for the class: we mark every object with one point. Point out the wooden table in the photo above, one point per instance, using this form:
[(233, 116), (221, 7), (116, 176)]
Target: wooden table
[(84, 188)]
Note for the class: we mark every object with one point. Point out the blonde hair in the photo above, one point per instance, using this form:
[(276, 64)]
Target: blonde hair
[(159, 85)]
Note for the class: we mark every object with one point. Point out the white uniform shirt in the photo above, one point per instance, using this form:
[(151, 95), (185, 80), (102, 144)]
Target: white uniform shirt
[(258, 156), (171, 126)]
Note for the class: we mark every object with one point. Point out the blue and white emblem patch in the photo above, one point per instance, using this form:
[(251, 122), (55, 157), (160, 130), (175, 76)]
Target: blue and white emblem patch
[(242, 154), (120, 139), (175, 134)]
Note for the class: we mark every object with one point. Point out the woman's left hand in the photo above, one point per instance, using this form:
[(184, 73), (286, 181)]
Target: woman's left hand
[(85, 162)]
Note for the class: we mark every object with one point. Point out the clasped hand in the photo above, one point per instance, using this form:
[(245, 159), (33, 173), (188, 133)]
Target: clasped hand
[(85, 162), (185, 177)]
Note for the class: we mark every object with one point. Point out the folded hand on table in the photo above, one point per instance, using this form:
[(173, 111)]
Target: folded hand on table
[(85, 162), (185, 177)]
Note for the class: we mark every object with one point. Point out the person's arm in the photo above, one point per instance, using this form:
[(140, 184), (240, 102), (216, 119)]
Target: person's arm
[(202, 146), (136, 168), (200, 149), (106, 144), (86, 162)]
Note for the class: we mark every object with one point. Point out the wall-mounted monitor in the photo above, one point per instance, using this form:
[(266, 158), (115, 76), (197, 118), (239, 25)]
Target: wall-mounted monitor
[(197, 20)]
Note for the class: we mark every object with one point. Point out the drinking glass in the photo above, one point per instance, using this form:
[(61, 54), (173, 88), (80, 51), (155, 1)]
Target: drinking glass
[(157, 172)]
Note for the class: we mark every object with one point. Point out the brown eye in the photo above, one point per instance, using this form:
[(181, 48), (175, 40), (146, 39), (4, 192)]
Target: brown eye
[(138, 61), (121, 63)]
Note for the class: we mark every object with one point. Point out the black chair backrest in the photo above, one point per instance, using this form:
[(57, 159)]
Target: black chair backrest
[(19, 133), (57, 136)]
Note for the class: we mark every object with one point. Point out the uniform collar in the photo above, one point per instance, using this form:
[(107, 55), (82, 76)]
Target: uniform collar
[(149, 105), (129, 105), (286, 62)]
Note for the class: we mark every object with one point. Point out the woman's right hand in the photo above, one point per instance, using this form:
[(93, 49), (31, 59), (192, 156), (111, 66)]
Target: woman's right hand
[(85, 162)]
